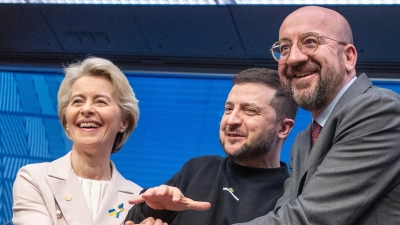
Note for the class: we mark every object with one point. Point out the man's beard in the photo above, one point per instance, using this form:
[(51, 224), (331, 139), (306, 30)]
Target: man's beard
[(260, 145), (319, 97)]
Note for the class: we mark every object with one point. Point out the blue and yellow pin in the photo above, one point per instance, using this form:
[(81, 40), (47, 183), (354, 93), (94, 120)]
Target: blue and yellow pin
[(115, 211)]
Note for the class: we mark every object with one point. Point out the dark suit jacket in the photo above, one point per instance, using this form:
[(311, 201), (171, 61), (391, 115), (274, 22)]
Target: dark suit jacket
[(352, 173)]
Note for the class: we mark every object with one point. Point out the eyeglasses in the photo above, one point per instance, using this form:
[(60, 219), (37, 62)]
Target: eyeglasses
[(307, 44)]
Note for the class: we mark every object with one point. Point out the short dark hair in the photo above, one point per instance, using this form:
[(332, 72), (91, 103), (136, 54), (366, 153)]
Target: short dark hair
[(283, 102)]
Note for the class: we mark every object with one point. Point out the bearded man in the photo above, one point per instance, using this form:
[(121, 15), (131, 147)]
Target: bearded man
[(258, 117), (345, 166)]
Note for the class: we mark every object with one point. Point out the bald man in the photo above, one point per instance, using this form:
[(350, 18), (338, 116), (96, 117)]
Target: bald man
[(345, 166)]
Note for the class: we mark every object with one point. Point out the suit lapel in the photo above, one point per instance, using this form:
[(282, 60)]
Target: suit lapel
[(303, 152), (67, 191), (326, 137), (119, 191)]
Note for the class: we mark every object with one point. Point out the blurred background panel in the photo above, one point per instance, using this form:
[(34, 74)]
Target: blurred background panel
[(223, 38)]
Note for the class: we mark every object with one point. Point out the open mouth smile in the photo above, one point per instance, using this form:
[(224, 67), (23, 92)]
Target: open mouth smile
[(89, 125), (302, 75)]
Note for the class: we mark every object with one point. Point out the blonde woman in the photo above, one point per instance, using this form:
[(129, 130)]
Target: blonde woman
[(98, 111)]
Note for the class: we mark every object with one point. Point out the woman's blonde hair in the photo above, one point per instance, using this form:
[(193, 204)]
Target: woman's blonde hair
[(123, 93)]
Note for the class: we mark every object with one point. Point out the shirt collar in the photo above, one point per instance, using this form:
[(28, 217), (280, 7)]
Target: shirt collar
[(323, 116)]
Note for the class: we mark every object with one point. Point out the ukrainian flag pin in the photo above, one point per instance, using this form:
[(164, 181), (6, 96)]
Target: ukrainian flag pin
[(116, 211)]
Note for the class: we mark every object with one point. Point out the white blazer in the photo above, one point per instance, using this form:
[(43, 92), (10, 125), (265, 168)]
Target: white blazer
[(50, 194)]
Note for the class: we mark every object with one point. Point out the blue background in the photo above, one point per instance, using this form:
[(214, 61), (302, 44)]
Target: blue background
[(180, 115)]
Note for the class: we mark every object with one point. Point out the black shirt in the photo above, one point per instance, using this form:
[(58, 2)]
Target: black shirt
[(236, 193)]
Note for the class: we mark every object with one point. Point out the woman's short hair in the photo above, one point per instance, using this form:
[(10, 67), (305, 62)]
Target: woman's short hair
[(124, 95)]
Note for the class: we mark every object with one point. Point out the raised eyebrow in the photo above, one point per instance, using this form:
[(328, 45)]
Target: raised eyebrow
[(77, 95), (251, 105), (285, 39), (101, 96), (228, 104), (95, 96), (243, 105)]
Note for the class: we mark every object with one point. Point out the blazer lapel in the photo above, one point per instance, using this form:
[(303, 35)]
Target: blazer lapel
[(303, 154), (67, 191), (319, 150), (119, 191)]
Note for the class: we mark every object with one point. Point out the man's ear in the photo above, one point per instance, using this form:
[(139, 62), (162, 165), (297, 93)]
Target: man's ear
[(350, 54), (285, 127)]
